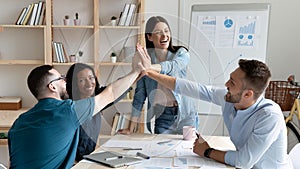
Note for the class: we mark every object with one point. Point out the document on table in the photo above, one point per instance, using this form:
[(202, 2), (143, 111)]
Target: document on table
[(152, 148), (157, 163), (186, 157), (197, 162)]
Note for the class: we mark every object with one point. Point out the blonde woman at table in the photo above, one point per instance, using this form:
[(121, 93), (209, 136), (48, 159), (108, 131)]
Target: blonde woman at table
[(256, 125)]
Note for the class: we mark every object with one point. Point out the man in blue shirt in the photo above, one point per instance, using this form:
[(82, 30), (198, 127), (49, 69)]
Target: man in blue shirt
[(47, 135), (256, 125)]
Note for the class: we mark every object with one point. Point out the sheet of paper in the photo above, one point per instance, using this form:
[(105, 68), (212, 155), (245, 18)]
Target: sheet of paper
[(188, 161), (197, 162), (153, 148), (185, 148), (155, 163)]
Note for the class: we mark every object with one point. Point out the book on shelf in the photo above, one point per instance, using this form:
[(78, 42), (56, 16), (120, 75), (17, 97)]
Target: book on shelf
[(54, 58), (38, 13), (42, 16), (130, 14), (115, 123), (135, 15), (124, 15), (59, 53), (28, 14), (120, 121), (55, 54), (21, 16), (64, 54), (33, 14)]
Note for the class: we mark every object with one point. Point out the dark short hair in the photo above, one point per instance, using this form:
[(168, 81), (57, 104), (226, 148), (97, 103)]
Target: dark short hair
[(38, 78), (257, 75), (150, 25), (72, 87)]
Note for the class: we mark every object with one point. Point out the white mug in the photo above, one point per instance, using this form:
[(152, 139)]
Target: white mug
[(189, 132)]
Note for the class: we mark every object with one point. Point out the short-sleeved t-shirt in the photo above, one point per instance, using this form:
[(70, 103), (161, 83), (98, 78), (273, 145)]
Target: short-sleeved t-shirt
[(47, 135)]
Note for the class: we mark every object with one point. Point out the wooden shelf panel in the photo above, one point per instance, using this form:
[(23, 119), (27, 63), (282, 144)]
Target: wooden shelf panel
[(23, 26), (114, 64), (119, 27), (21, 62), (72, 27), (69, 63)]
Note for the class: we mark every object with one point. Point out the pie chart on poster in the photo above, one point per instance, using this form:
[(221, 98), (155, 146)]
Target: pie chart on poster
[(228, 23)]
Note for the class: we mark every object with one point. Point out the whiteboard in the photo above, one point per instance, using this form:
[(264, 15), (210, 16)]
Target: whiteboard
[(220, 35)]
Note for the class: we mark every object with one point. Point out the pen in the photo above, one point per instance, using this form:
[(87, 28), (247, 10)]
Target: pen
[(132, 149), (198, 135), (113, 158), (142, 155), (162, 142)]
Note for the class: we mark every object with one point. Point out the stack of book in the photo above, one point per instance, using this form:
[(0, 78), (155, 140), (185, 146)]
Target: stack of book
[(59, 53), (129, 14), (33, 14), (120, 121)]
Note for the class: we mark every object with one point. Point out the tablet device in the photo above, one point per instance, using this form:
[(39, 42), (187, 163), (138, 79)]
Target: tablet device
[(112, 159)]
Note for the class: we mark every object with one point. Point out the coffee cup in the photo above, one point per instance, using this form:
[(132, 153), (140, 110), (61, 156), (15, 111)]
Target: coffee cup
[(189, 132)]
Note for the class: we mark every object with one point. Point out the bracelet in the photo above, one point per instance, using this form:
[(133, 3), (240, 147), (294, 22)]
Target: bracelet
[(207, 152)]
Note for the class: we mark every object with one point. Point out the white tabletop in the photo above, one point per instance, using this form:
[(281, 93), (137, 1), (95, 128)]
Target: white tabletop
[(182, 150)]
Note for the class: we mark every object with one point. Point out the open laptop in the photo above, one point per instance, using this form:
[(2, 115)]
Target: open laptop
[(112, 159)]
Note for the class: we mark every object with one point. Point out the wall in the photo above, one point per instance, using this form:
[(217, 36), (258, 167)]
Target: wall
[(283, 46), (283, 49)]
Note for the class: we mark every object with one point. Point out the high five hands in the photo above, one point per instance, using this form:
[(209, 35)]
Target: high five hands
[(144, 57)]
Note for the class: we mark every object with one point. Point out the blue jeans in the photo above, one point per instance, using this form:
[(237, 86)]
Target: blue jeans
[(165, 119)]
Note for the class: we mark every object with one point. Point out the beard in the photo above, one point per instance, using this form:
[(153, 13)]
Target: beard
[(64, 95), (233, 98)]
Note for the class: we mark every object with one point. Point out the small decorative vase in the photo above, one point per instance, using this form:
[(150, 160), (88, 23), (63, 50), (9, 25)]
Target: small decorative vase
[(113, 22), (77, 21), (67, 22), (72, 58), (113, 59)]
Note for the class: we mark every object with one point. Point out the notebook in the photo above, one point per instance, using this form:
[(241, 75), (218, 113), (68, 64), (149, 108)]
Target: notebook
[(112, 159)]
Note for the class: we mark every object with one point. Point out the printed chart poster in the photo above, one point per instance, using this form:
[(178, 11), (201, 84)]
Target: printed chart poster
[(225, 30), (207, 26), (246, 32)]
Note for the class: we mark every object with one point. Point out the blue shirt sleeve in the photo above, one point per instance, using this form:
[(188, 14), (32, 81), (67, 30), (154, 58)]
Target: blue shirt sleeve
[(179, 62), (200, 91)]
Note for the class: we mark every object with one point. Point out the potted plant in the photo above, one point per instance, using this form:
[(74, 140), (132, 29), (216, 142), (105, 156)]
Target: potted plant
[(67, 20), (113, 21), (77, 20), (113, 57), (80, 54)]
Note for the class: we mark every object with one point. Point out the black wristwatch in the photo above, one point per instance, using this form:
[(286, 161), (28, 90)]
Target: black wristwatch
[(207, 152)]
